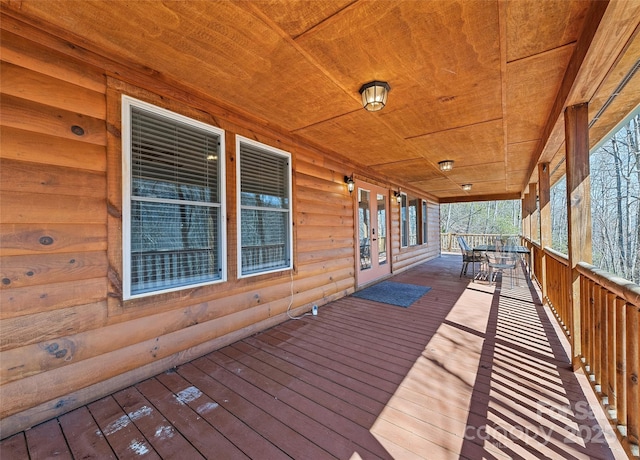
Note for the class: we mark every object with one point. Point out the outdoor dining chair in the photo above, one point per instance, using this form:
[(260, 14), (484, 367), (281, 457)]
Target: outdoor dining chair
[(468, 256), (500, 261)]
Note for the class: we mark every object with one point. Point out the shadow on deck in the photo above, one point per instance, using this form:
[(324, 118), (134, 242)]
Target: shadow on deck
[(468, 371)]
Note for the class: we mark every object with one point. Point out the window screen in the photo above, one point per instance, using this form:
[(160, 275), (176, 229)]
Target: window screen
[(172, 231), (414, 209), (265, 211), (404, 224), (425, 229)]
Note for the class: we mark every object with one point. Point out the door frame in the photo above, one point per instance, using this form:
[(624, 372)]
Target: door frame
[(379, 271)]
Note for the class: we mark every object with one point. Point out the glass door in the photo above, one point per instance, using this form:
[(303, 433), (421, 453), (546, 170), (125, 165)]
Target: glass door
[(373, 243)]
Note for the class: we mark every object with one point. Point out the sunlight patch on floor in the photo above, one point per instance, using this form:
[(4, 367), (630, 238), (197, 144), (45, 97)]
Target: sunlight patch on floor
[(427, 415)]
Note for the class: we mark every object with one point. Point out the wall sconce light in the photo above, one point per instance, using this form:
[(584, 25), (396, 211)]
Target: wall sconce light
[(466, 187), (398, 196), (445, 165), (374, 95), (350, 184)]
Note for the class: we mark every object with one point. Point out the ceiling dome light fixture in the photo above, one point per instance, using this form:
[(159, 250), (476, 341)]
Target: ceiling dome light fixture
[(374, 95), (445, 165), (466, 187)]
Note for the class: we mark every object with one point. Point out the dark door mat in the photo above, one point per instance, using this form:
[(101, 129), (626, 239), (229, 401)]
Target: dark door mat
[(393, 293)]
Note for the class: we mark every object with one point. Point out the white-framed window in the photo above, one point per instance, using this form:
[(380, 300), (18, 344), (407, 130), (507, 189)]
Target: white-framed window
[(404, 221), (413, 224), (265, 221), (173, 235), (414, 214), (425, 227)]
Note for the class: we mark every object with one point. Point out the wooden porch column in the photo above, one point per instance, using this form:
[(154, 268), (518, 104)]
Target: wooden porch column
[(526, 218), (544, 194), (534, 223), (576, 125)]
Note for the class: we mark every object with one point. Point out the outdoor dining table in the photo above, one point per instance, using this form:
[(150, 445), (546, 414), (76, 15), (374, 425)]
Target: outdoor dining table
[(520, 250)]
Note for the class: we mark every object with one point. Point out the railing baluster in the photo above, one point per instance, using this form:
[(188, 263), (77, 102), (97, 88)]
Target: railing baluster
[(565, 283), (587, 304), (633, 373), (593, 300), (621, 362), (598, 344), (609, 387), (593, 319)]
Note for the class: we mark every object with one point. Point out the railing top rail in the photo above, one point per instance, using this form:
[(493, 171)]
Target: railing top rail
[(560, 257), (504, 235), (621, 287)]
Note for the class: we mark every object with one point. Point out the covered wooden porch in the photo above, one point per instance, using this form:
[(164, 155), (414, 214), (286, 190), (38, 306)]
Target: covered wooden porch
[(467, 371)]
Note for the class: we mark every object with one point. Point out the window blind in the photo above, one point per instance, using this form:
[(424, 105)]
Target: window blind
[(175, 217), (264, 179), (264, 214), (171, 152)]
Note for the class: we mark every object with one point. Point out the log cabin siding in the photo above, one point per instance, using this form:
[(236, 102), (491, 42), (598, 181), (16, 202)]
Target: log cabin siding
[(66, 336)]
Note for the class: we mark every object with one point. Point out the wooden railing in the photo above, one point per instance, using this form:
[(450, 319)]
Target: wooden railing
[(449, 241), (610, 323), (558, 278), (162, 269), (609, 331), (262, 257)]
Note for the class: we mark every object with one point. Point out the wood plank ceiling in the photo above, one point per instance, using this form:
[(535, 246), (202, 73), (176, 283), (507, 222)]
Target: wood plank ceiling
[(471, 81)]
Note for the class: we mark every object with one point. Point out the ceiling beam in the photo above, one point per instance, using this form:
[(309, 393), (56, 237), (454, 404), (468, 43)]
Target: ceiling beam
[(493, 197)]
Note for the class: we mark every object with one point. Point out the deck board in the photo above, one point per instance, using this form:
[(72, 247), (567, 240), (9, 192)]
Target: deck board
[(161, 434), (468, 371), (83, 435), (14, 447), (46, 441), (234, 429), (174, 405), (268, 425), (122, 435)]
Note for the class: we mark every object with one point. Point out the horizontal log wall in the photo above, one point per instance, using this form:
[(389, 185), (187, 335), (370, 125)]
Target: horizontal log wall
[(66, 337)]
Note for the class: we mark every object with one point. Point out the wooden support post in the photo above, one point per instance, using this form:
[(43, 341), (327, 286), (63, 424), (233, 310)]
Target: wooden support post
[(576, 121), (544, 193), (526, 218), (533, 208)]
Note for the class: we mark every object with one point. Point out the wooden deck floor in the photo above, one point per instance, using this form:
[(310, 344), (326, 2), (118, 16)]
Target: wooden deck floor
[(467, 371)]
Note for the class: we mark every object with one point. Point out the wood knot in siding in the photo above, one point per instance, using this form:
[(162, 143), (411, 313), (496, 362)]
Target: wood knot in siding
[(116, 283), (60, 349), (113, 210), (46, 240), (113, 130)]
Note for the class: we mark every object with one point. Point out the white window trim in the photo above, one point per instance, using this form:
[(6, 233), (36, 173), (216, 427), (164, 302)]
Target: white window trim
[(127, 103), (276, 151)]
